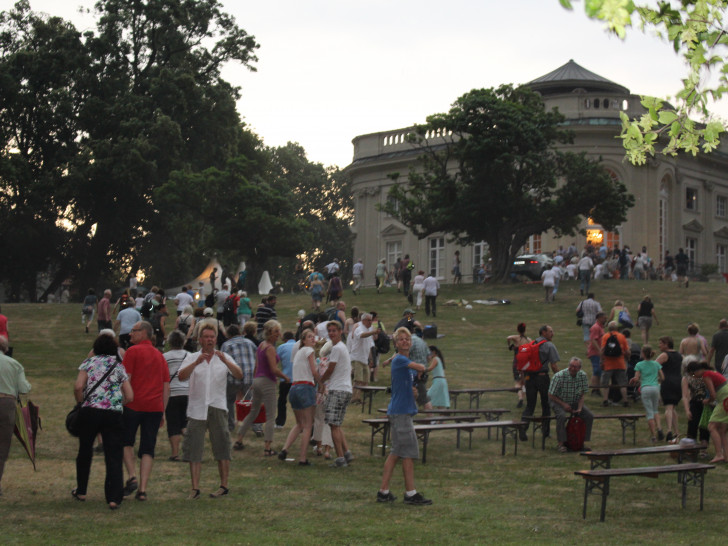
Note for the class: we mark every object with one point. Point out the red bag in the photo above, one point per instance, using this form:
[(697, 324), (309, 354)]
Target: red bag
[(242, 409), (527, 358), (575, 433)]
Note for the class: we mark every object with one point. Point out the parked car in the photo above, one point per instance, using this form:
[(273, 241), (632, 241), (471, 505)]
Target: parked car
[(531, 265)]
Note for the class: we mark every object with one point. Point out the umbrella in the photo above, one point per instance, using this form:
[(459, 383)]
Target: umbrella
[(27, 423)]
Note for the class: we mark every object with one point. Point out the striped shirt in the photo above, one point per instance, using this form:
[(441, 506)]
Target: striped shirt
[(242, 350)]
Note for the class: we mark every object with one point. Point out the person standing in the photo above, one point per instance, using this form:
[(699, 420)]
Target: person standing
[(284, 387), (381, 274), (514, 341), (537, 382), (88, 308), (719, 346), (615, 351), (715, 385), (566, 397), (401, 409), (594, 351), (645, 315), (360, 344), (207, 372), (648, 374), (405, 275), (266, 312), (338, 374), (103, 318), (358, 273), (183, 299), (176, 410), (671, 387), (242, 351), (125, 321), (12, 384), (585, 267), (213, 278), (589, 309), (149, 376), (549, 277), (683, 261), (456, 272), (431, 287)]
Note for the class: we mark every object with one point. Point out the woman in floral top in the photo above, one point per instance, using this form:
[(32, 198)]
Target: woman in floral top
[(101, 413)]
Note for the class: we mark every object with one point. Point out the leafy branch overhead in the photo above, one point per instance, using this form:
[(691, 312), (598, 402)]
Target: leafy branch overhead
[(492, 170), (697, 32)]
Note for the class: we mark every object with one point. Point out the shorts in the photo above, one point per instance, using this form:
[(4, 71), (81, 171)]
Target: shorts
[(335, 407), (194, 444), (176, 415), (596, 362), (619, 375), (403, 437), (302, 396), (361, 371), (645, 323), (148, 423)]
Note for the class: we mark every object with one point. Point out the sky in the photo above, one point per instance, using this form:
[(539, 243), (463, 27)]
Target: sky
[(330, 70)]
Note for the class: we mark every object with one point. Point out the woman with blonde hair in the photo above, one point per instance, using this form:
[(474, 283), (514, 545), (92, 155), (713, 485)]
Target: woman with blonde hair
[(267, 370), (648, 374)]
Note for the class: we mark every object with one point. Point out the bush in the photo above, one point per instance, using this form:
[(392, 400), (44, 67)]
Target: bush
[(708, 269)]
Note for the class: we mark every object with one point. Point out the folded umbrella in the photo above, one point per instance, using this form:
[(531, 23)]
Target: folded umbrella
[(27, 423)]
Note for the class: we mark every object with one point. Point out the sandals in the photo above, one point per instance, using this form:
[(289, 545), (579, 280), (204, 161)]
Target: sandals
[(76, 496), (304, 463), (141, 495), (131, 486), (269, 453), (174, 458), (219, 493), (563, 449), (238, 446), (195, 494), (114, 506)]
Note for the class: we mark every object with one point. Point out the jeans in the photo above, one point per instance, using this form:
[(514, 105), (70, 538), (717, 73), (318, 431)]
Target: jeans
[(431, 302), (110, 424), (283, 390)]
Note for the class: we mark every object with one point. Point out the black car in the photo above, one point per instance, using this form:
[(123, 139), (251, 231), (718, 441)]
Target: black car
[(531, 265)]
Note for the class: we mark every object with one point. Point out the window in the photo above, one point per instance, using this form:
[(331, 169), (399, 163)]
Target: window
[(691, 249), (394, 253), (534, 244), (480, 250), (612, 238), (720, 252), (437, 257), (691, 199), (721, 203), (392, 202)]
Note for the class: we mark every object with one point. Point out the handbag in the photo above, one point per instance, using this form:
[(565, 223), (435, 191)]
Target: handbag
[(705, 417), (625, 320), (243, 407), (73, 422)]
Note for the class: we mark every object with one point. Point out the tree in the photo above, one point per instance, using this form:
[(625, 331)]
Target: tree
[(500, 178), (697, 31)]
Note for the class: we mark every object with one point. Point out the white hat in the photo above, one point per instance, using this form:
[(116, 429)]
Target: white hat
[(208, 311)]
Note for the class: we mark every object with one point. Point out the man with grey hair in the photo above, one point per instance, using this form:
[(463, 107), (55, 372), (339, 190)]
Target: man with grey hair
[(360, 347), (566, 397), (12, 384)]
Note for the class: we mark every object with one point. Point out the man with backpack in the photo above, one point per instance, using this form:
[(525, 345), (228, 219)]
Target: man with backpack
[(614, 349), (536, 379), (566, 397)]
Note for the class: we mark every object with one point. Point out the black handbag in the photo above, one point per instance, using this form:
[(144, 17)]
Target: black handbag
[(73, 423)]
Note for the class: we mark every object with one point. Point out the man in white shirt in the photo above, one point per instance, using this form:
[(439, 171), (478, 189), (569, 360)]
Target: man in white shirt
[(360, 346), (220, 298), (431, 287), (207, 371), (358, 273), (338, 374), (183, 299), (585, 270)]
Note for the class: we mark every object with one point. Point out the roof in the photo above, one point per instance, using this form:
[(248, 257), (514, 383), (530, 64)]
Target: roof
[(571, 76)]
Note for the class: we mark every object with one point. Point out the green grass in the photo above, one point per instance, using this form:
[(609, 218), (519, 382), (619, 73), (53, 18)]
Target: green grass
[(479, 496)]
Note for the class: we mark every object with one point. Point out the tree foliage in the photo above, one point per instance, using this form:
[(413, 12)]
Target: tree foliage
[(696, 29), (490, 171)]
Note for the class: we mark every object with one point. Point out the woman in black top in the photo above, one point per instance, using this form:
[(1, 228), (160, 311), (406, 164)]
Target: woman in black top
[(645, 314), (671, 387)]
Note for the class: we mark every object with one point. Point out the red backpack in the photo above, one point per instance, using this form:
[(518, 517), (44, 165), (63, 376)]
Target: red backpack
[(575, 433), (527, 357)]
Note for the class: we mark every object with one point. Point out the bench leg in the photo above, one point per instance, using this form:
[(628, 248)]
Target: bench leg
[(385, 439), (425, 438), (596, 484), (696, 478)]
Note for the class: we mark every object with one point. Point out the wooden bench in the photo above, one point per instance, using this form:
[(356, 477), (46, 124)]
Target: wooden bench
[(508, 428), (628, 421), (367, 393), (381, 426), (597, 481), (475, 394), (603, 458)]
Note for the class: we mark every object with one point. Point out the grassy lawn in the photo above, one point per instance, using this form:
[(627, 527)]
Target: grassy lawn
[(479, 496)]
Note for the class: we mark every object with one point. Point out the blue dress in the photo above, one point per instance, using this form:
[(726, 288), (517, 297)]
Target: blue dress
[(438, 392)]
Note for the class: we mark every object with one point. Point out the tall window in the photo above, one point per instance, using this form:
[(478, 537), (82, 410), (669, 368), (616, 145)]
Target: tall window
[(721, 205), (437, 257), (691, 199), (612, 238), (720, 252), (393, 203), (691, 249), (394, 253), (479, 252)]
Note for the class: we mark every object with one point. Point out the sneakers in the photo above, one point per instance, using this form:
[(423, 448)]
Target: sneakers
[(605, 403), (348, 457), (282, 454), (417, 499), (520, 404), (522, 435), (661, 435), (385, 497), (339, 462), (130, 487), (669, 436)]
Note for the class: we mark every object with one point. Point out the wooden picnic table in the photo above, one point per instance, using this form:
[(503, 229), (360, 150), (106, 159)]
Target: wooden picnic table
[(603, 458), (380, 425), (597, 481), (491, 414), (474, 394), (367, 393), (627, 421), (508, 428)]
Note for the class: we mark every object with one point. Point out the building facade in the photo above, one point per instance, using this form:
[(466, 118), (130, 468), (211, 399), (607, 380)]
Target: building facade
[(680, 202)]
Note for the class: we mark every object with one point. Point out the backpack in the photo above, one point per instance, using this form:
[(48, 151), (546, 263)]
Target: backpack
[(147, 309), (575, 433), (331, 314), (382, 343), (527, 357), (612, 347), (183, 325), (228, 311), (210, 300)]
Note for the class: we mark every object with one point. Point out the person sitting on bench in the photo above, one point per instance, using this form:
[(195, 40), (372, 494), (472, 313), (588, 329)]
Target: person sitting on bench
[(566, 397)]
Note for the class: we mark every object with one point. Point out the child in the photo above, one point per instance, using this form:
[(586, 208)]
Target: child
[(649, 374)]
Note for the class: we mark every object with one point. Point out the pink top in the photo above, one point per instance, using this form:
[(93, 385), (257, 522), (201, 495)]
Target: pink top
[(717, 379), (263, 367)]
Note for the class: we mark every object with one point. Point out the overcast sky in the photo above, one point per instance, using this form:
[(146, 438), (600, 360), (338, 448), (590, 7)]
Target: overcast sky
[(330, 70)]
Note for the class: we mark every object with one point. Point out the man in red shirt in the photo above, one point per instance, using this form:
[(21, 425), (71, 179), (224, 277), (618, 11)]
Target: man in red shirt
[(594, 349), (149, 376), (614, 349)]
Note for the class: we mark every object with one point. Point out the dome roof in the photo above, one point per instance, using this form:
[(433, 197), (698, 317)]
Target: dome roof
[(571, 76)]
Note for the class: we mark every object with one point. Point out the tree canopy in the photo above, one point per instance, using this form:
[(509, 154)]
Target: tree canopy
[(490, 171), (696, 29)]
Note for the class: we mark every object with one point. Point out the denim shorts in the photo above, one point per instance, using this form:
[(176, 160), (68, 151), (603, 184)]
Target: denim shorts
[(302, 396)]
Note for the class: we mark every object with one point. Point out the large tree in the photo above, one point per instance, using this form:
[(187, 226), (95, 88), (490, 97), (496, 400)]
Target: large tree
[(697, 31), (500, 176)]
